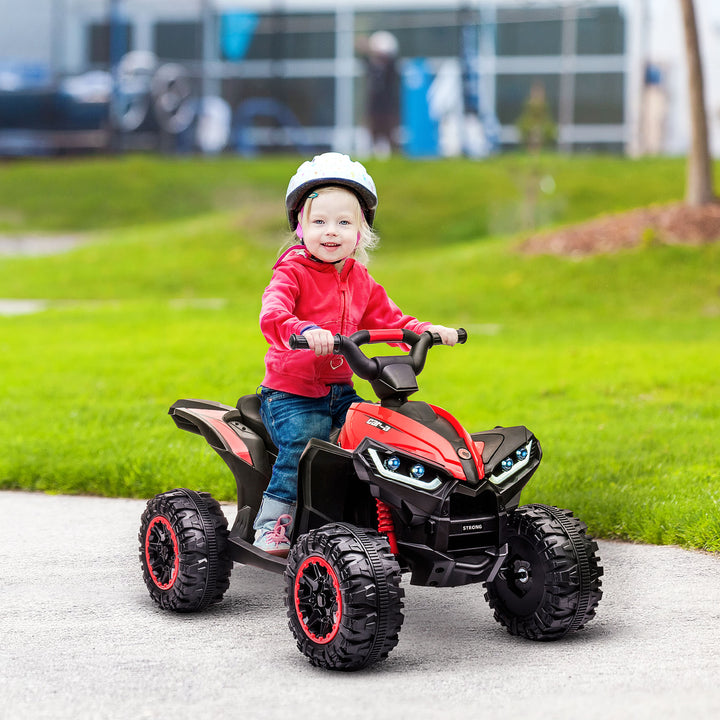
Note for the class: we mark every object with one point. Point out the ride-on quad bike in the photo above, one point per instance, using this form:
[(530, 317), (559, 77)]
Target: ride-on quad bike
[(402, 487)]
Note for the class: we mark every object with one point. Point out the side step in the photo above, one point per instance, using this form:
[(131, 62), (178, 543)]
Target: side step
[(245, 553)]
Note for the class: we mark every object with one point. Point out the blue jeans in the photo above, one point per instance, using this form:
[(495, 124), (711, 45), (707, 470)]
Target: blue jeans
[(292, 420)]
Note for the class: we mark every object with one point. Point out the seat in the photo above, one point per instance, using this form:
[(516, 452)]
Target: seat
[(249, 407)]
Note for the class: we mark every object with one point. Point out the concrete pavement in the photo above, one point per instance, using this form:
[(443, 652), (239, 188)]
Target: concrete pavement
[(81, 639)]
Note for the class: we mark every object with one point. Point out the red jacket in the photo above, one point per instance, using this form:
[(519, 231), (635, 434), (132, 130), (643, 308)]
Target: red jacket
[(304, 293)]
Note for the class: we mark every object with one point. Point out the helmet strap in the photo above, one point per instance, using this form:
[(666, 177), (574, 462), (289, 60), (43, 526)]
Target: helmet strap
[(298, 229)]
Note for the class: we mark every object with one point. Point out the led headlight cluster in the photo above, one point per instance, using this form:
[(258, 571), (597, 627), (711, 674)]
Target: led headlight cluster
[(408, 472), (392, 463), (512, 463)]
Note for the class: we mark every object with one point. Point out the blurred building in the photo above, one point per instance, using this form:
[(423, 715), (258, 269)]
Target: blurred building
[(278, 75)]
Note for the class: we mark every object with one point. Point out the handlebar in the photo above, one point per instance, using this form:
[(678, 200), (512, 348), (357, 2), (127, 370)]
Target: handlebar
[(370, 368)]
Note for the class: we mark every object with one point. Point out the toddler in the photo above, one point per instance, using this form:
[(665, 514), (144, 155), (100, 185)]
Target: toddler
[(318, 288)]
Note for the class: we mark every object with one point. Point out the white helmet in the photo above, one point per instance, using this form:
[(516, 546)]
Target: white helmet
[(383, 43), (330, 168)]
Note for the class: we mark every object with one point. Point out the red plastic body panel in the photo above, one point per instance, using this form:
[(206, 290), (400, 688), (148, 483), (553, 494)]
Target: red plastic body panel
[(474, 447), (214, 418), (391, 428)]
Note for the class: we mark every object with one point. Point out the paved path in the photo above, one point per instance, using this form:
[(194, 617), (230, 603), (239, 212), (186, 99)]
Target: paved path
[(34, 245), (80, 638)]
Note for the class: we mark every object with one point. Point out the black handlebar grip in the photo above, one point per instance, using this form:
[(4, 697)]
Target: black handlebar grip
[(298, 342), (461, 332)]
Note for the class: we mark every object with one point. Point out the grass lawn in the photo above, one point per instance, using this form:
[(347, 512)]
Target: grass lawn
[(611, 361)]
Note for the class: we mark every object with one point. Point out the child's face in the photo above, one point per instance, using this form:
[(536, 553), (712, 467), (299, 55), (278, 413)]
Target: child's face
[(331, 226)]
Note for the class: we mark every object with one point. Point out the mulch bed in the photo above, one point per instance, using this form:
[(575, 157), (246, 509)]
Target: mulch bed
[(669, 224)]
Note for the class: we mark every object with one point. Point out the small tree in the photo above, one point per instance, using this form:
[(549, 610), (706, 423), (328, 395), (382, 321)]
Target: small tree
[(699, 182), (535, 125)]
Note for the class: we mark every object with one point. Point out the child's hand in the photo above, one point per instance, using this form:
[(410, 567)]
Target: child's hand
[(449, 336), (320, 341)]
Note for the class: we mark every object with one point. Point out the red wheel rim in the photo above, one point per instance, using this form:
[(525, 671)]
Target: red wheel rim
[(162, 554), (318, 600)]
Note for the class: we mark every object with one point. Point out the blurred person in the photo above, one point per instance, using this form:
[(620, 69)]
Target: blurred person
[(319, 287), (382, 109), (654, 111)]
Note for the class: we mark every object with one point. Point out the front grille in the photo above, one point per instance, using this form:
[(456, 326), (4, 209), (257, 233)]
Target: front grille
[(473, 533)]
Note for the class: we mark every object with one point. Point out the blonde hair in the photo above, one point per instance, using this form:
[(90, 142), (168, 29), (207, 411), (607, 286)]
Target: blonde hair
[(368, 239)]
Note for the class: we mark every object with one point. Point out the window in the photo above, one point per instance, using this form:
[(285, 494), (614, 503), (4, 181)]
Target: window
[(529, 49), (599, 98), (179, 40), (99, 42), (281, 37), (601, 31), (529, 31)]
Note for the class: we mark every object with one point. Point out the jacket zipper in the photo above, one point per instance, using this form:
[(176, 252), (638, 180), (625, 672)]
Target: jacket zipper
[(343, 314), (343, 302)]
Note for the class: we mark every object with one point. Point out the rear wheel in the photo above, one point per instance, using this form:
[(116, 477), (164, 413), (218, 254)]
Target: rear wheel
[(549, 585), (183, 537), (343, 597)]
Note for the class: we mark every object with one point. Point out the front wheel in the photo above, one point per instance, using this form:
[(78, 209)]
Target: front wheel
[(549, 584), (343, 596), (183, 537)]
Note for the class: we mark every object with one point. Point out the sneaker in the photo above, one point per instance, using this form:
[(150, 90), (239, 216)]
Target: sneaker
[(272, 538)]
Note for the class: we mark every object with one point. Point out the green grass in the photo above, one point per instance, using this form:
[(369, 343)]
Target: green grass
[(421, 202), (611, 361), (84, 195)]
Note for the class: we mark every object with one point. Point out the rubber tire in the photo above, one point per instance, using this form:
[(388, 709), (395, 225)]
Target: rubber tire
[(364, 578), (549, 585), (189, 568)]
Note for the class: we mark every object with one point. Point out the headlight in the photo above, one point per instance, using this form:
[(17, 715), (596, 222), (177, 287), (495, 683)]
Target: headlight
[(511, 464), (392, 463), (407, 472)]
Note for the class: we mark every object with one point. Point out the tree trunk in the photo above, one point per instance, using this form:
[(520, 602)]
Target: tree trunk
[(699, 183)]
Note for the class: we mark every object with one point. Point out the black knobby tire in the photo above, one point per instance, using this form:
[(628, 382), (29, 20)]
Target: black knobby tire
[(343, 596), (183, 538), (549, 585)]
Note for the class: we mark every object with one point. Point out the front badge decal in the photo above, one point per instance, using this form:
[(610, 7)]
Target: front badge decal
[(380, 425)]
